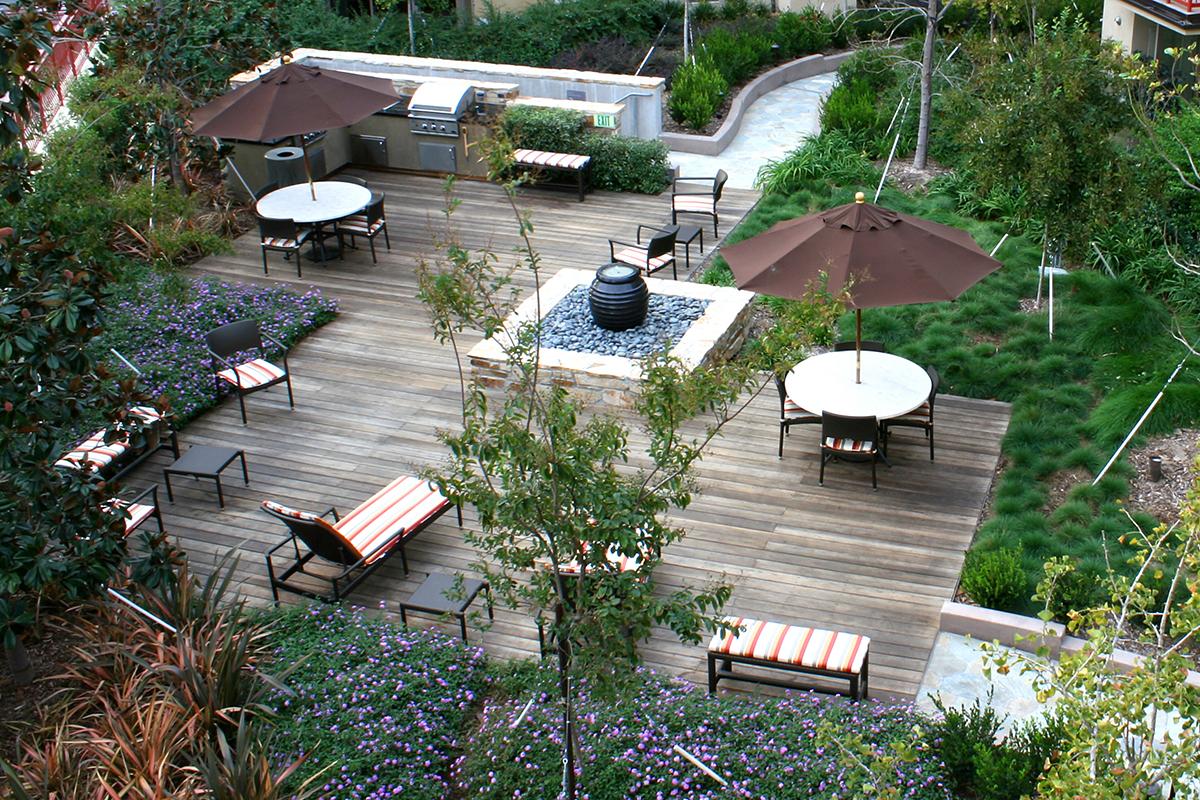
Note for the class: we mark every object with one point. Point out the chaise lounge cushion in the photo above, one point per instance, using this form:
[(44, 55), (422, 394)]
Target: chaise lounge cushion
[(792, 644), (404, 504)]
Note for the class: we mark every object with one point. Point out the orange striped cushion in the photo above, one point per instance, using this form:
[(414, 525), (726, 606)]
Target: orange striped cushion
[(253, 373), (541, 158), (361, 227), (93, 453), (637, 258), (138, 513), (849, 445), (286, 244), (288, 511), (146, 413), (402, 505), (793, 644), (694, 202), (614, 557), (793, 411)]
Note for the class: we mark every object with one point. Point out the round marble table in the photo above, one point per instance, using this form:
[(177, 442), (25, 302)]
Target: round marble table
[(891, 386), (335, 199)]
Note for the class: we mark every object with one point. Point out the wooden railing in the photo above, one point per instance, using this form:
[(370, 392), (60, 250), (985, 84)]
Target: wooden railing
[(61, 65)]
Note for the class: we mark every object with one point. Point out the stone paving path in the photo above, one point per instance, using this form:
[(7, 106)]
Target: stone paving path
[(955, 674), (773, 126)]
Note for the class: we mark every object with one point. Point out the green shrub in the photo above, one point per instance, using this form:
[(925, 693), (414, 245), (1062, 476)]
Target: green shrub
[(737, 56), (626, 163), (1077, 590), (557, 130), (995, 578), (810, 31), (697, 90), (850, 107), (830, 156), (873, 66)]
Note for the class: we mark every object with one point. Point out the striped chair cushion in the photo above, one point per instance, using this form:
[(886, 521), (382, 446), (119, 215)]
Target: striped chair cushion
[(253, 373), (288, 511), (138, 513), (614, 557), (282, 244), (146, 414), (637, 258), (793, 411), (849, 445), (694, 202), (402, 505), (93, 453), (540, 158), (793, 644), (918, 415), (361, 227)]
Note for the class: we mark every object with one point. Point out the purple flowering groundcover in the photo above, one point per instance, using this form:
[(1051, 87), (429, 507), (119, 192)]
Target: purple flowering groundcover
[(159, 324)]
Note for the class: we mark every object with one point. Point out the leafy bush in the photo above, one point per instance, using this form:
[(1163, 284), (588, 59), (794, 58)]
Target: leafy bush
[(830, 156), (850, 108), (697, 90), (557, 130), (159, 325), (627, 164), (736, 55), (1073, 591), (380, 704), (800, 34), (627, 744), (995, 578), (874, 66)]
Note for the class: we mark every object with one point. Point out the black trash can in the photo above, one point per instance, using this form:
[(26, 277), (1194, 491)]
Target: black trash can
[(619, 297)]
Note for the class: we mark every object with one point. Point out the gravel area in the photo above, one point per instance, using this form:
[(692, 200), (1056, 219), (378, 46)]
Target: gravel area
[(569, 326)]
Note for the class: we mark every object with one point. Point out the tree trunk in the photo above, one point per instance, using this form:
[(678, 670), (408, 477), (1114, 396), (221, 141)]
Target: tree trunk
[(931, 20), (464, 13), (570, 790), (19, 666)]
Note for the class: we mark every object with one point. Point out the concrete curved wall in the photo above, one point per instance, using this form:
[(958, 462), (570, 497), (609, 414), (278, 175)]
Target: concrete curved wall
[(785, 73)]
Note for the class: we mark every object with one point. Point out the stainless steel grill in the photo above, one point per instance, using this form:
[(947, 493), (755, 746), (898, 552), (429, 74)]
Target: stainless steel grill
[(437, 107)]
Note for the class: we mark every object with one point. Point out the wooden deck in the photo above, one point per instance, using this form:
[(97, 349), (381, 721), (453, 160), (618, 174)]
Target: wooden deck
[(372, 388)]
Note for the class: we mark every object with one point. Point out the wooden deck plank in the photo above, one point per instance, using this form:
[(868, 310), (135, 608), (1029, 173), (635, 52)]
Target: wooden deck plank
[(373, 389)]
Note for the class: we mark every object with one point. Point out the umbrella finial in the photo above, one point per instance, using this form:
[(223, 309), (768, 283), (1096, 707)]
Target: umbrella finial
[(859, 197)]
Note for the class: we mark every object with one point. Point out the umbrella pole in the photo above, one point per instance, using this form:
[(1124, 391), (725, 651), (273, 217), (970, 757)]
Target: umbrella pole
[(858, 345), (308, 169)]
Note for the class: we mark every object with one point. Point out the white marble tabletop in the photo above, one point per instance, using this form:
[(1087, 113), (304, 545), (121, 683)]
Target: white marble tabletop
[(335, 199), (891, 386)]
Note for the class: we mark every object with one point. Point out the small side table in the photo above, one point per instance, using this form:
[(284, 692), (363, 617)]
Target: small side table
[(685, 236), (430, 598), (201, 461)]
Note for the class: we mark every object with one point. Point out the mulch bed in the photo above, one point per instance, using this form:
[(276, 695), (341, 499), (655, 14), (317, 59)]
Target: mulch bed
[(1163, 498), (49, 653)]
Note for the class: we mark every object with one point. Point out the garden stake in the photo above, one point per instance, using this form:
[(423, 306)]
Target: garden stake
[(700, 765), (995, 249), (1136, 427), (141, 610)]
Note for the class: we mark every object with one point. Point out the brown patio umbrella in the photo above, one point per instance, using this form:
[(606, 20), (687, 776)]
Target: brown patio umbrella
[(292, 100), (894, 258)]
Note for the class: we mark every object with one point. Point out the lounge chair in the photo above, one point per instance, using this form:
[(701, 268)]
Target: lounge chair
[(358, 542)]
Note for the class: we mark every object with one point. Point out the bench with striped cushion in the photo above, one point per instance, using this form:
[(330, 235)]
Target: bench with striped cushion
[(114, 459), (794, 648), (359, 541), (565, 162)]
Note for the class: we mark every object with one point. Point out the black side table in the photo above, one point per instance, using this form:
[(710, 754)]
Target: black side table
[(201, 461), (685, 236), (430, 598)]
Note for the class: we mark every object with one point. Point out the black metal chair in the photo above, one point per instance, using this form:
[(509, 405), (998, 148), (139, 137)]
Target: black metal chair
[(282, 236), (247, 377), (791, 414), (657, 253), (868, 345), (692, 201), (849, 439), (370, 224), (920, 418)]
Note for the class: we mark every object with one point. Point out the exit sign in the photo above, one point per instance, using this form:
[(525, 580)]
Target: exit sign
[(606, 120)]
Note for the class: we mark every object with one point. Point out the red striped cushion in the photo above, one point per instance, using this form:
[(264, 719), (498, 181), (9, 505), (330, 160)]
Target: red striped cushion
[(286, 244), (287, 511), (253, 373), (541, 158), (613, 556), (138, 513), (793, 644), (793, 411), (849, 445), (353, 219), (402, 505), (146, 413), (361, 227), (694, 202), (93, 453), (637, 258)]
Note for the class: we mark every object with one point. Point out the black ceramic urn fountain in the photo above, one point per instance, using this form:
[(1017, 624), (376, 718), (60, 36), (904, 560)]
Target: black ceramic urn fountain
[(619, 297)]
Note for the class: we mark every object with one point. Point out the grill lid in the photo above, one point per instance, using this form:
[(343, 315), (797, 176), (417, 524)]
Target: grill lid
[(445, 97)]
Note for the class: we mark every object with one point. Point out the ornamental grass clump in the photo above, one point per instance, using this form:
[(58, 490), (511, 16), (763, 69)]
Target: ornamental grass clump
[(159, 324), (769, 748), (378, 705)]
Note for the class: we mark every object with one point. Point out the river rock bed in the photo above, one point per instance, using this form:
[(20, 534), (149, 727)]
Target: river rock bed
[(569, 326)]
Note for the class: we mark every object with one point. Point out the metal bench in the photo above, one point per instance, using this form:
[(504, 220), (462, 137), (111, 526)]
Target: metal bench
[(792, 648), (577, 165)]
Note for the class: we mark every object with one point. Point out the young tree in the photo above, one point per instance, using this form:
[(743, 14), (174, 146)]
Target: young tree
[(1133, 736), (559, 502)]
